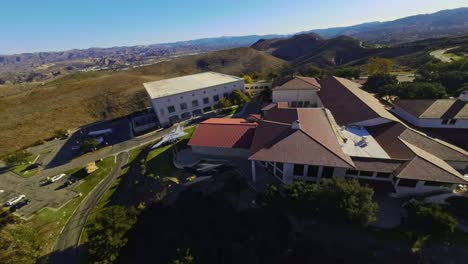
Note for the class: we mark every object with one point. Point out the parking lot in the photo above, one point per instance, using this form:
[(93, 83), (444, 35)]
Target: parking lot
[(41, 195), (121, 131)]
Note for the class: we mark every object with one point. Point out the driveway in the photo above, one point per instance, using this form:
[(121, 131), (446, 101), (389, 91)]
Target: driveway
[(68, 241)]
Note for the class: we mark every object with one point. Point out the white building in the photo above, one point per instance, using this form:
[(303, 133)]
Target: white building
[(298, 92), (432, 113), (180, 98), (257, 87)]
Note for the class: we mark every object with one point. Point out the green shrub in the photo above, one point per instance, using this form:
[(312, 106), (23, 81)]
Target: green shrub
[(430, 219)]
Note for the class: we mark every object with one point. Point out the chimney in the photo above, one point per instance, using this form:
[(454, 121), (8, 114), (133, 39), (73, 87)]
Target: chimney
[(463, 96), (296, 125)]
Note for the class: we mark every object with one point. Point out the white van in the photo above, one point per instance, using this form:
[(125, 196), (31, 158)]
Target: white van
[(15, 200), (57, 177)]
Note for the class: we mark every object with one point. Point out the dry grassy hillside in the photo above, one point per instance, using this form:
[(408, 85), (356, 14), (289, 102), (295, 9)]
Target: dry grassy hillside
[(32, 112)]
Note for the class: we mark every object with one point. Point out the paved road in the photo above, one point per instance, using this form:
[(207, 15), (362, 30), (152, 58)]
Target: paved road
[(66, 246), (440, 54), (104, 152)]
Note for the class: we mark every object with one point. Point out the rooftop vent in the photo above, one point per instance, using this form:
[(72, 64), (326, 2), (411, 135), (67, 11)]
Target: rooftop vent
[(364, 141), (296, 125)]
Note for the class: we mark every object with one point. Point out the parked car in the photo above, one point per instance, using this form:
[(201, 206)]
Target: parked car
[(57, 177), (15, 200), (70, 181), (19, 205)]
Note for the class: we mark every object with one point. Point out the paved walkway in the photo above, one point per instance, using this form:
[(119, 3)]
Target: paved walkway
[(69, 239)]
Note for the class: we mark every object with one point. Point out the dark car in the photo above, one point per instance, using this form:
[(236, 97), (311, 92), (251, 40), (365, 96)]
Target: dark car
[(19, 204), (70, 181)]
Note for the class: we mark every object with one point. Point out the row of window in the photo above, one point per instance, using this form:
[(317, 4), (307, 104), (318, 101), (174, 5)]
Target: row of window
[(312, 171), (383, 175), (204, 92), (449, 121), (300, 104), (187, 115), (195, 103), (412, 183)]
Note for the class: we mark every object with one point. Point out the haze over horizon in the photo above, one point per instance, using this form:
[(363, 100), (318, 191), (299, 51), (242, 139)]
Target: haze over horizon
[(51, 26)]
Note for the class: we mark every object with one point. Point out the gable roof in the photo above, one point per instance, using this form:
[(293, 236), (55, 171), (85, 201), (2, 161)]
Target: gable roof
[(427, 167), (391, 136), (224, 133), (299, 83), (341, 95), (313, 143), (435, 108)]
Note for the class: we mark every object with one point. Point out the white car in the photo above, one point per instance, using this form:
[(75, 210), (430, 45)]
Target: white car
[(57, 177), (15, 200)]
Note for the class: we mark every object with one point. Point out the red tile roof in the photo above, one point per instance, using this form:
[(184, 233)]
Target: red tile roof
[(224, 133)]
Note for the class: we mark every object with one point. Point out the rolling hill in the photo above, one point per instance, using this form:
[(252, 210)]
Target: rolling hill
[(31, 112), (444, 23), (310, 49)]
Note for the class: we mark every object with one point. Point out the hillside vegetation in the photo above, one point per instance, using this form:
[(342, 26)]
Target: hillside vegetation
[(32, 112)]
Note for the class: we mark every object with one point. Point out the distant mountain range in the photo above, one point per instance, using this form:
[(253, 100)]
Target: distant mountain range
[(40, 66), (440, 24)]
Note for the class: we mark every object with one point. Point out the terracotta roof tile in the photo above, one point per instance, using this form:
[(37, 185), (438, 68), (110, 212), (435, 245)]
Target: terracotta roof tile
[(224, 133), (300, 83)]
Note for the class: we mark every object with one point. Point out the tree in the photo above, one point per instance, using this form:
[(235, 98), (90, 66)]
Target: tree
[(183, 257), (270, 197), (222, 103), (238, 98), (379, 66), (347, 72), (89, 144), (453, 81), (375, 82), (272, 75), (430, 219), (247, 79), (312, 71), (414, 90), (346, 200), (334, 199), (18, 244), (107, 232), (17, 158), (61, 133)]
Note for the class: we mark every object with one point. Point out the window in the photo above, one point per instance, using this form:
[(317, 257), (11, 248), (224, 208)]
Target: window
[(279, 169), (216, 98), (197, 112), (407, 183), (327, 172), (298, 170), (183, 106), (383, 175), (207, 109), (174, 119), (366, 173), (225, 95), (293, 104), (444, 122), (204, 92), (171, 109), (306, 104), (193, 94), (215, 90), (312, 171), (300, 104), (195, 103), (206, 100), (452, 122), (437, 184), (279, 165), (181, 97), (186, 115), (352, 172)]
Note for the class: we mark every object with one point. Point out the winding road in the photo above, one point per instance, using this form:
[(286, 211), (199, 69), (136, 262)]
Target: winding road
[(66, 248)]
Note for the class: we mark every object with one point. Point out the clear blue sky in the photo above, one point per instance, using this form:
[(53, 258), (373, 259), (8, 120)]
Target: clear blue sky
[(51, 25)]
